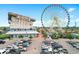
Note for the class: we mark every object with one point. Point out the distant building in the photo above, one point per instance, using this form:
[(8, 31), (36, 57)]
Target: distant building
[(21, 25)]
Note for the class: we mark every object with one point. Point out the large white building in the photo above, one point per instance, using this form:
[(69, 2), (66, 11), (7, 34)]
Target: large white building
[(21, 25)]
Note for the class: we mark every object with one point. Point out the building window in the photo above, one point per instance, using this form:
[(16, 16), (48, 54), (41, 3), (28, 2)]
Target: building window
[(30, 28)]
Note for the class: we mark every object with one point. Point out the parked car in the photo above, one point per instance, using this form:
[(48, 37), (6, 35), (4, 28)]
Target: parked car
[(61, 52), (46, 47), (45, 44), (14, 51), (9, 50), (53, 48), (77, 45), (56, 45), (13, 46), (26, 43), (46, 51), (2, 50), (2, 41), (22, 45), (74, 44), (65, 51), (58, 49), (55, 51)]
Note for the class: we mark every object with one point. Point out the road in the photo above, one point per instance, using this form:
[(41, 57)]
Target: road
[(35, 47)]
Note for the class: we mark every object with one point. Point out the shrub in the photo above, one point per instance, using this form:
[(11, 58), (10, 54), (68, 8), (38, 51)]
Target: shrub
[(20, 36), (69, 36), (61, 35), (55, 35), (30, 36), (77, 37), (4, 36), (44, 33)]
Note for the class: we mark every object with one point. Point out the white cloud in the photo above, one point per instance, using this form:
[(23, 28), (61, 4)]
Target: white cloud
[(77, 20), (37, 23), (71, 9), (71, 16)]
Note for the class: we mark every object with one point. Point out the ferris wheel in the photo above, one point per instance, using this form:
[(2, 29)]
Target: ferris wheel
[(54, 17)]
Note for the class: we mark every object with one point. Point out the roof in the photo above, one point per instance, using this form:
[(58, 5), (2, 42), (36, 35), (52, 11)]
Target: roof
[(22, 32), (10, 14)]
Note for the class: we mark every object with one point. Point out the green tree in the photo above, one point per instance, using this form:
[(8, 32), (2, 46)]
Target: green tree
[(69, 36), (20, 36), (30, 36), (55, 35), (4, 36)]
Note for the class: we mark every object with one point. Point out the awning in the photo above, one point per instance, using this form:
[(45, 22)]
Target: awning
[(22, 32)]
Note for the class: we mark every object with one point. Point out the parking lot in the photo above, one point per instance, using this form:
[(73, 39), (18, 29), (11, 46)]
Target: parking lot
[(35, 46), (67, 46), (8, 42)]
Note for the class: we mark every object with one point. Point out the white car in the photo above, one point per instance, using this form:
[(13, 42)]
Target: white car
[(50, 49), (14, 46), (3, 50), (60, 48), (77, 46), (44, 46)]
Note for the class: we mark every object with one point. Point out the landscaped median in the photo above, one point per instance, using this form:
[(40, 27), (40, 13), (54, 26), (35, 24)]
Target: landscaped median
[(57, 35)]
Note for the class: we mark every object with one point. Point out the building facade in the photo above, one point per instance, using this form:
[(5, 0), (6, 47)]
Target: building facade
[(21, 25)]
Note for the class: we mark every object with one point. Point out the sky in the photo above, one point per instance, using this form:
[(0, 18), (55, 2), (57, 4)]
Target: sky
[(35, 11)]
